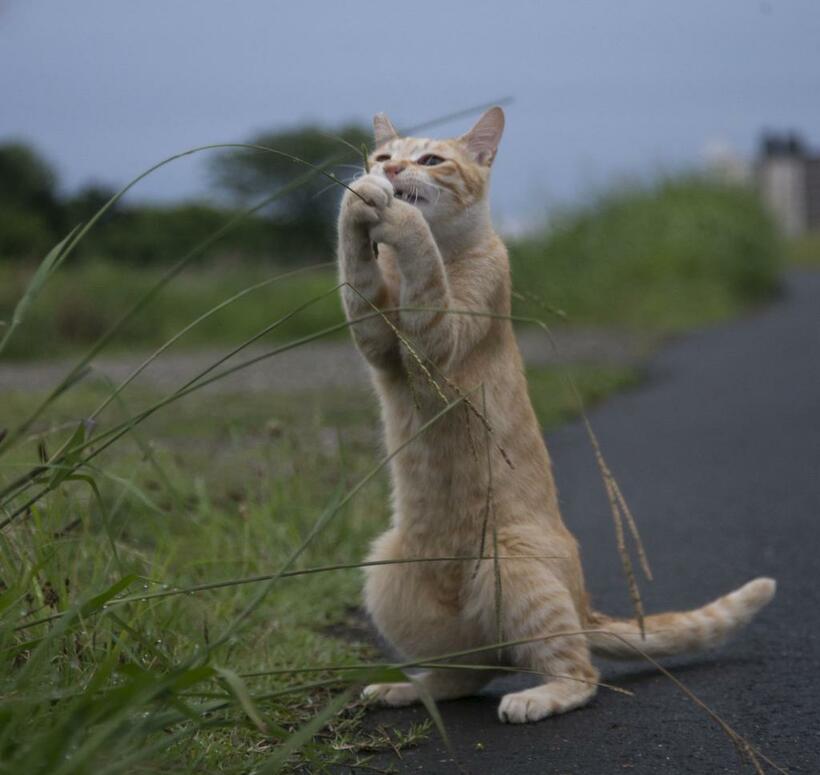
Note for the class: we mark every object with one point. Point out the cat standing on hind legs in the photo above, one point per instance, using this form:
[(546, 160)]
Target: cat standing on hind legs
[(425, 203)]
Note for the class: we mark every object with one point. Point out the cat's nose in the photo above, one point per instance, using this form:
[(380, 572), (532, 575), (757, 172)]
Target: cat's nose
[(392, 169)]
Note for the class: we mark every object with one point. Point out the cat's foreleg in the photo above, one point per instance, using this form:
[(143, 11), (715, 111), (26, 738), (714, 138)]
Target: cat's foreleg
[(575, 689), (365, 291), (570, 678), (431, 316)]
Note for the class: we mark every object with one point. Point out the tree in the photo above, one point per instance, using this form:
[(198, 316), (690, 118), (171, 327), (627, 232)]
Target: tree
[(29, 208), (82, 206), (28, 183), (248, 176)]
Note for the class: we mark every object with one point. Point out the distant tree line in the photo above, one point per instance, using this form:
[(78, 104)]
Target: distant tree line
[(299, 227)]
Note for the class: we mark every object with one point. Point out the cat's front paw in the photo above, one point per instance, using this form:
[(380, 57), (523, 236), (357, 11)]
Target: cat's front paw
[(402, 225), (393, 695), (364, 204), (527, 706)]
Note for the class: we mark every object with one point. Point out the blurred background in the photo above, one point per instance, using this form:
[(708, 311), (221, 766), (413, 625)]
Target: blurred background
[(659, 173), (610, 113)]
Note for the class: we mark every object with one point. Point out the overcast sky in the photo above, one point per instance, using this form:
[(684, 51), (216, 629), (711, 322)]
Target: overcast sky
[(104, 88)]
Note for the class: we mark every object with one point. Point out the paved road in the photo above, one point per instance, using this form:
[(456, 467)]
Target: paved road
[(719, 456)]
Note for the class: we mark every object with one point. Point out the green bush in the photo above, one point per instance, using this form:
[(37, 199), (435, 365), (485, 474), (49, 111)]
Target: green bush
[(23, 234), (80, 303), (154, 234), (805, 250), (683, 252)]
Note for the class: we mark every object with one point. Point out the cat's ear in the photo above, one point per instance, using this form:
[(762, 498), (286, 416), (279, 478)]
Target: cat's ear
[(383, 129), (483, 139)]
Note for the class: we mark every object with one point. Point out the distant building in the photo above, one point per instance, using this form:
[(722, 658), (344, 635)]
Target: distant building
[(788, 178)]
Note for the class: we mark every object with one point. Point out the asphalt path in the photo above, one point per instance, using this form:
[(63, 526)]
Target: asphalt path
[(718, 453)]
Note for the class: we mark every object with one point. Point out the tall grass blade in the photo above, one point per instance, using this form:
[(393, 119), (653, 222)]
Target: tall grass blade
[(176, 591), (432, 709), (47, 267), (169, 275), (197, 382), (327, 515), (240, 692)]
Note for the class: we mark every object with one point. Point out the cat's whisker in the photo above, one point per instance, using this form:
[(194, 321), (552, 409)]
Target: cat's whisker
[(437, 188)]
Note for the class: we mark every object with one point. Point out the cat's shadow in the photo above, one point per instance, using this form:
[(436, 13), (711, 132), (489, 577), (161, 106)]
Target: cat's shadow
[(632, 677)]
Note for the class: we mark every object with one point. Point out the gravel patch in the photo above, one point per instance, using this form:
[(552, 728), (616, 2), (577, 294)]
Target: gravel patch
[(318, 365)]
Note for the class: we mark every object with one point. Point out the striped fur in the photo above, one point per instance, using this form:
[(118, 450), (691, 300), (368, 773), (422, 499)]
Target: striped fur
[(675, 633), (438, 256)]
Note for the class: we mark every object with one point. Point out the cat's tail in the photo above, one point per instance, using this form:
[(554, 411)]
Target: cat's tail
[(679, 632)]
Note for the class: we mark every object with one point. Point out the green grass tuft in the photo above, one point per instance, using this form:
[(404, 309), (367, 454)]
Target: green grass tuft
[(805, 251)]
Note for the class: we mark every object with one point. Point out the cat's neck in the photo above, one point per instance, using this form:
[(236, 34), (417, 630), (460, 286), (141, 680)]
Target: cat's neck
[(466, 231)]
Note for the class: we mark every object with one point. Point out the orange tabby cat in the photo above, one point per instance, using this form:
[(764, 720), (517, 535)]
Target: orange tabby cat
[(425, 204)]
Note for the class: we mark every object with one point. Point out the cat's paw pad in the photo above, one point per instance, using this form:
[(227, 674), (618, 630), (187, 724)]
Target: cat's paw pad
[(526, 706), (394, 695)]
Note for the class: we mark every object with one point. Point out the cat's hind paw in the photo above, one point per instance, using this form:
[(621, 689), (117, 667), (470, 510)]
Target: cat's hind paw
[(542, 701), (393, 695)]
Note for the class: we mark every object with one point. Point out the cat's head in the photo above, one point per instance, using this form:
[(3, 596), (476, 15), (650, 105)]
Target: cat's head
[(443, 178)]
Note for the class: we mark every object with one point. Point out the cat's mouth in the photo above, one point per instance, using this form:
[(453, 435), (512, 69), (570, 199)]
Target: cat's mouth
[(412, 197)]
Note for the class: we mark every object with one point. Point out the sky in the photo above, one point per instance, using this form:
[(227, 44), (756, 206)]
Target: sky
[(601, 90)]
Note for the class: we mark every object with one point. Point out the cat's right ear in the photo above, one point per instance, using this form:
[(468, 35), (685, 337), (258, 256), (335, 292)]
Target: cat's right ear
[(483, 139), (383, 129)]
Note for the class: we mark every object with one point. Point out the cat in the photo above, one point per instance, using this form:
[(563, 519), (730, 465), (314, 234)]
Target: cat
[(416, 242)]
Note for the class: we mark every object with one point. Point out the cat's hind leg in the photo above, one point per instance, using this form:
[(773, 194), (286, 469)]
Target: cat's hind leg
[(439, 683), (537, 608), (416, 608), (571, 680)]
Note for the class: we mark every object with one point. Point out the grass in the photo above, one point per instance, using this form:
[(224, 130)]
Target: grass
[(223, 487), (200, 500), (134, 670), (805, 251)]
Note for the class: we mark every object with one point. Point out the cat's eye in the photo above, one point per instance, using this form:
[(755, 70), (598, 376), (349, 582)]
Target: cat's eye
[(429, 160), (383, 157)]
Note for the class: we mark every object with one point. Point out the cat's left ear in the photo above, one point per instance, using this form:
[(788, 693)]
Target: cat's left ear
[(483, 139), (383, 129)]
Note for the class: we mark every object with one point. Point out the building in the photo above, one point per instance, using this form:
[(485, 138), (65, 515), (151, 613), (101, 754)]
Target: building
[(788, 177)]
